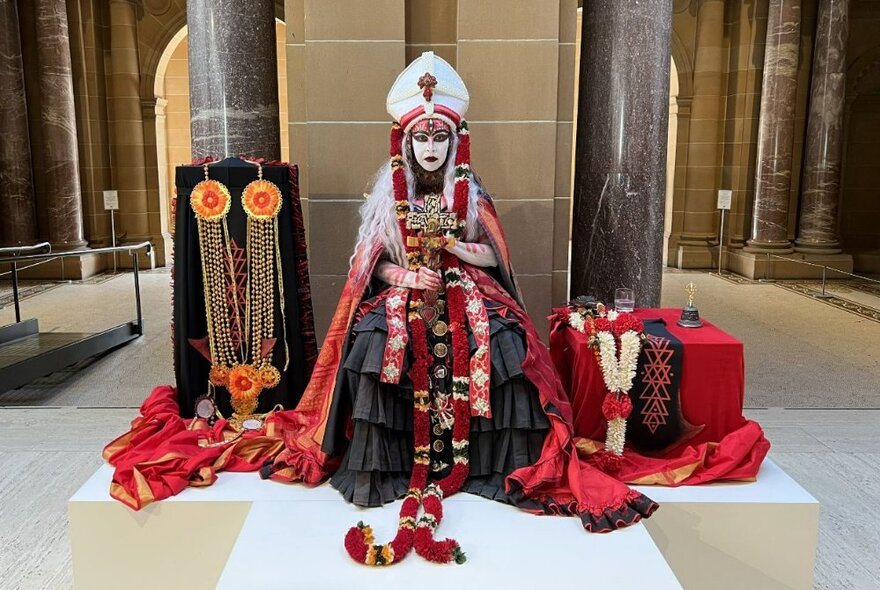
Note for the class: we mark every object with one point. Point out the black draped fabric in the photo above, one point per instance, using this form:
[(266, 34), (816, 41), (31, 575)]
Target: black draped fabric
[(190, 324), (656, 421), (377, 461)]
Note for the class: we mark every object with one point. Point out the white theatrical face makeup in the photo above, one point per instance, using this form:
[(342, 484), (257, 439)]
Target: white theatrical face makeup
[(430, 144)]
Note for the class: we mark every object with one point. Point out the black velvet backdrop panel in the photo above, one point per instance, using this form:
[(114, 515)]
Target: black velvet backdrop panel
[(191, 367)]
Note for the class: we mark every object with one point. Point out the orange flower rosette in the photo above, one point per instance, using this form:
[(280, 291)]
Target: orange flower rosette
[(244, 383), (210, 200), (261, 199)]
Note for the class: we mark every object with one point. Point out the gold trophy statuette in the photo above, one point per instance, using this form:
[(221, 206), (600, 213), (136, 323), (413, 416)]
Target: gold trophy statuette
[(690, 315)]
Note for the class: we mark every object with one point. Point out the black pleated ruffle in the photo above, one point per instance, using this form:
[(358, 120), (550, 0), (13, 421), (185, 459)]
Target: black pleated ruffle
[(630, 512), (376, 466)]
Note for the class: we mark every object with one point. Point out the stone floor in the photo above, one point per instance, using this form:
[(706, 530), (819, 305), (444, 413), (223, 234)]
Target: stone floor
[(813, 375)]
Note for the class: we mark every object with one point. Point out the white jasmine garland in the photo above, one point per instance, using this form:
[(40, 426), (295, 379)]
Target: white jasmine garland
[(616, 437), (619, 373), (618, 370), (576, 320)]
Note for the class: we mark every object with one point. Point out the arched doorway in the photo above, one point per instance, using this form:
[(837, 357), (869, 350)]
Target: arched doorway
[(173, 140)]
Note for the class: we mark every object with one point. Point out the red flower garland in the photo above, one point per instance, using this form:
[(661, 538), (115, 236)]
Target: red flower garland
[(614, 406), (449, 549), (359, 539)]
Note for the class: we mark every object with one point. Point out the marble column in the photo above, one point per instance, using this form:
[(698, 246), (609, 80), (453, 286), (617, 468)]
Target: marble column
[(18, 224), (126, 123), (233, 81), (776, 129), (60, 185), (620, 154), (820, 188)]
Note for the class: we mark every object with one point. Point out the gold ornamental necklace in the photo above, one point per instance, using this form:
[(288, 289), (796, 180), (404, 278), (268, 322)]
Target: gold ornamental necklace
[(242, 365)]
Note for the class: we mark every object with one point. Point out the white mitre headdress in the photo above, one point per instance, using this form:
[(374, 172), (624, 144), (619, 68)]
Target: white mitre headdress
[(428, 87)]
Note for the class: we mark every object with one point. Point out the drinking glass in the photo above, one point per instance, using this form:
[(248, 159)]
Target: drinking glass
[(624, 299)]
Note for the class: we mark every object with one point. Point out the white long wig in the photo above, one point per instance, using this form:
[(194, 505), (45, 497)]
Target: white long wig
[(379, 219)]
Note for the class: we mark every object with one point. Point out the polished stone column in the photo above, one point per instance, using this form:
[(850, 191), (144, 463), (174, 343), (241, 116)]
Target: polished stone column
[(620, 155), (233, 81), (820, 189), (776, 129), (18, 224), (59, 188), (126, 123)]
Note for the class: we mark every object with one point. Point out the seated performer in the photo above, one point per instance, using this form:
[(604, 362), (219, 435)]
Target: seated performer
[(432, 378)]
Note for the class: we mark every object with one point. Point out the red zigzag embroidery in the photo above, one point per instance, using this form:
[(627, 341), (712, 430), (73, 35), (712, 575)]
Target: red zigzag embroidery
[(657, 376), (236, 290)]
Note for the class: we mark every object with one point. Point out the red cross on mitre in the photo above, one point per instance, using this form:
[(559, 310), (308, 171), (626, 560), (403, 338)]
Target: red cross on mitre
[(427, 84)]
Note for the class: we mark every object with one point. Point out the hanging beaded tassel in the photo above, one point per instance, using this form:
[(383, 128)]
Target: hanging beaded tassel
[(261, 201), (210, 201)]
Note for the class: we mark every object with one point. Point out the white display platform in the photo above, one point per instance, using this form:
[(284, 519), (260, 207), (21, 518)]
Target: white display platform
[(759, 535), (246, 533), (292, 536)]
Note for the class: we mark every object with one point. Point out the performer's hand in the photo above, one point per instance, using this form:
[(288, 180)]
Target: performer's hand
[(428, 280)]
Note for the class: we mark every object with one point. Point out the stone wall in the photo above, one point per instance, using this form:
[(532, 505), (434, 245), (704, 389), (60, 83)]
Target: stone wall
[(517, 59), (860, 206)]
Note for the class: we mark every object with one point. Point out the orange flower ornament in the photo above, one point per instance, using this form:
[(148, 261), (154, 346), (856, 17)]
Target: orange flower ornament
[(244, 383), (261, 199), (269, 376), (210, 200)]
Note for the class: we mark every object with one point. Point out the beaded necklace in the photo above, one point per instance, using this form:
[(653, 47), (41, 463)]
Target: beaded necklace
[(242, 365)]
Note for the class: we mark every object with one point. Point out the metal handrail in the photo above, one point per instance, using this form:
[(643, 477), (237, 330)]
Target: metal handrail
[(16, 249), (825, 268), (70, 253), (130, 248)]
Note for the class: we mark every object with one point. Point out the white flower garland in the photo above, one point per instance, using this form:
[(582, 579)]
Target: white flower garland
[(577, 320), (617, 371), (619, 374)]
